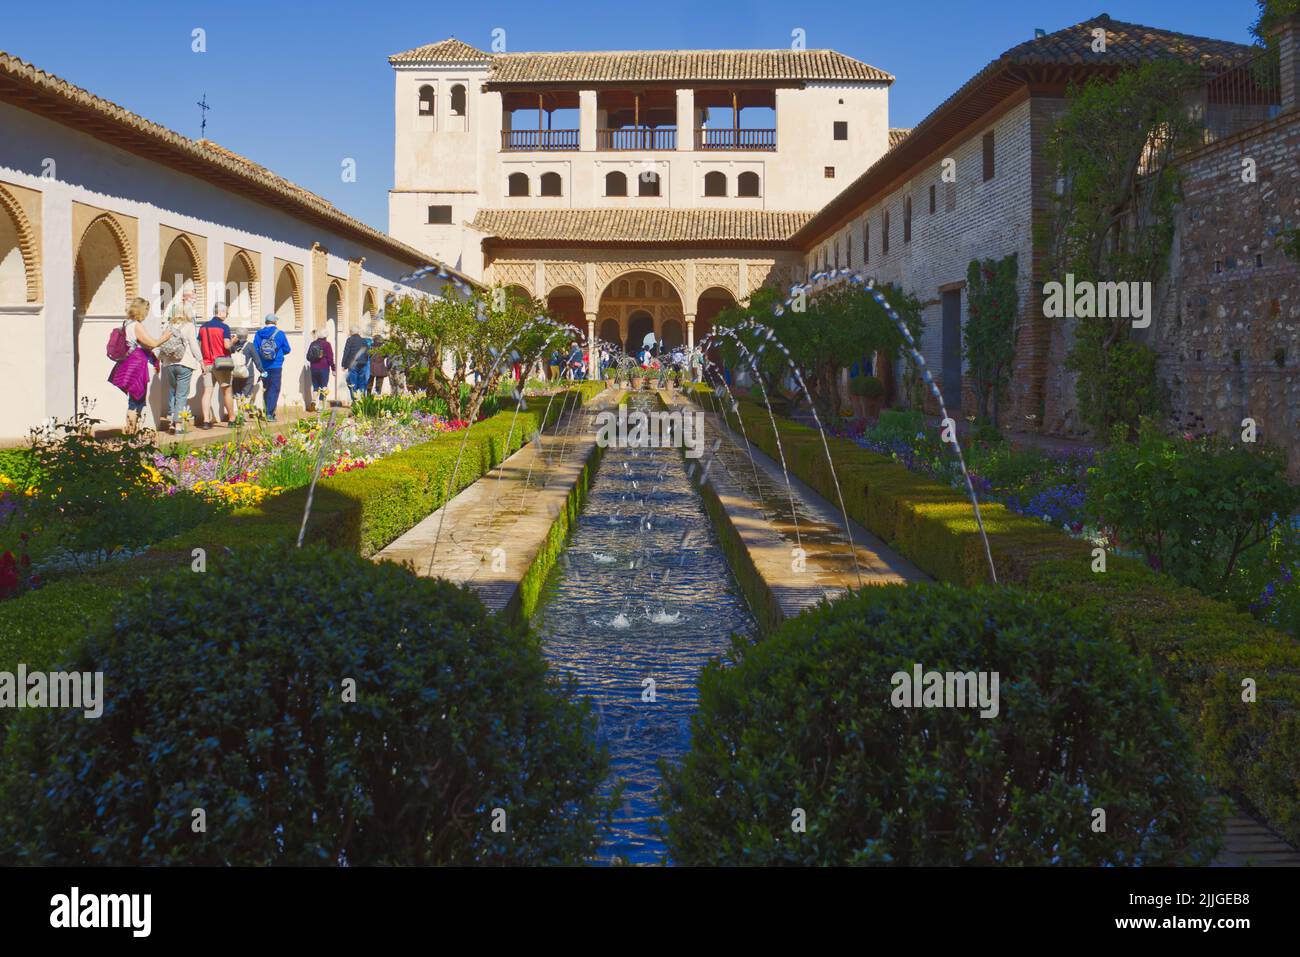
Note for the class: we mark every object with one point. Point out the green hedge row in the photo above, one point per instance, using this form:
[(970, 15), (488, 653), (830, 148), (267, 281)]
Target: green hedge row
[(1204, 650), (359, 511)]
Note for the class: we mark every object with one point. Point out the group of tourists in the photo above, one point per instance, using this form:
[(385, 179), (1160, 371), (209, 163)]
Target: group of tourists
[(228, 364), (571, 366)]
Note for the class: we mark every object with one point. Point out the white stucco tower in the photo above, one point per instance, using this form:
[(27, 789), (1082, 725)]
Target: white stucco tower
[(440, 126)]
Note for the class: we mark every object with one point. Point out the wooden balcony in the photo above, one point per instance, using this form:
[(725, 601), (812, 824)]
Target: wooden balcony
[(734, 139), (539, 140), (637, 138)]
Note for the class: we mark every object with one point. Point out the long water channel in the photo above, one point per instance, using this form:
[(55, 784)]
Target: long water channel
[(643, 593)]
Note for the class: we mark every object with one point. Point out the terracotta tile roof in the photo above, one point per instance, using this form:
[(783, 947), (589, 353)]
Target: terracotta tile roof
[(1069, 49), (615, 66), (450, 50), (1126, 43), (50, 96), (897, 136), (730, 227)]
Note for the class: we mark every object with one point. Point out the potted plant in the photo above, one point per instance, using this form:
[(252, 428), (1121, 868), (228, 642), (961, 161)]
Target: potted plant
[(868, 394)]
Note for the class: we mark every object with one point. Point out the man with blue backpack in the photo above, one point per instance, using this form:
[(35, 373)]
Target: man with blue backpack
[(271, 346)]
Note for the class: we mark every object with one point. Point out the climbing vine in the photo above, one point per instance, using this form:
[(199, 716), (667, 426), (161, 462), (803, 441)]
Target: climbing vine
[(989, 335), (1111, 219)]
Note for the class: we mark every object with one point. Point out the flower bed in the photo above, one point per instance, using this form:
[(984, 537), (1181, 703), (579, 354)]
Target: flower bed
[(246, 470), (1046, 484)]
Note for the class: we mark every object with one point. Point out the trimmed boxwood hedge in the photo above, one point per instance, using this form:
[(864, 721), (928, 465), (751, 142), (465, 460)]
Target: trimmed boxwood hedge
[(360, 511), (320, 709), (1203, 648), (805, 721)]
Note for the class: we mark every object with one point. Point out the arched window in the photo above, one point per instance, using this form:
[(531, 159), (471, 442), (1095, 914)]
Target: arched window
[(647, 184), (458, 100), (427, 100), (550, 184), (715, 183), (884, 233), (517, 184), (615, 184), (747, 184), (866, 241), (907, 219)]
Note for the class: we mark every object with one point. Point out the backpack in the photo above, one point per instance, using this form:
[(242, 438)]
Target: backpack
[(118, 346), (268, 348), (315, 351), (173, 350)]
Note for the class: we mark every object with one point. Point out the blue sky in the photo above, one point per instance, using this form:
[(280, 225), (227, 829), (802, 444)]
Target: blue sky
[(300, 92)]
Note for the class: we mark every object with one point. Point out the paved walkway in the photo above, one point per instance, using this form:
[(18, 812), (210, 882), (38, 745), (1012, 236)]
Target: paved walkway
[(1247, 843), (773, 518), (489, 535)]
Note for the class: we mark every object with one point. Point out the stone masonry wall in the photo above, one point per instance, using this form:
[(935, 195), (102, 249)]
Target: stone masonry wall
[(1229, 333)]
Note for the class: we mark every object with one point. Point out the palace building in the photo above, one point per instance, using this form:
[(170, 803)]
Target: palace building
[(632, 192), (645, 191)]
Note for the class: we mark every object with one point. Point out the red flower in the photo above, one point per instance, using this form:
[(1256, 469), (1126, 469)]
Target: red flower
[(8, 574)]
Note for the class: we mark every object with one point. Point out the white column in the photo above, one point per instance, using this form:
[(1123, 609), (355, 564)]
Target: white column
[(686, 119), (586, 120), (58, 362), (690, 330), (593, 360)]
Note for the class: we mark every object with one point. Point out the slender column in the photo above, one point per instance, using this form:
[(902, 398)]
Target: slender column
[(690, 342), (586, 120), (686, 119), (593, 360)]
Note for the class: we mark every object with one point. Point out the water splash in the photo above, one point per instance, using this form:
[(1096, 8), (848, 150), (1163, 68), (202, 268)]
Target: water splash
[(799, 291)]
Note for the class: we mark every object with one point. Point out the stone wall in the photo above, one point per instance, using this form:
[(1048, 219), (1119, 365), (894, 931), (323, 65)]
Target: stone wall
[(1229, 332)]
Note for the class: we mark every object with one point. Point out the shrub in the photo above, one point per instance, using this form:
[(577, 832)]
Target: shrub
[(897, 425), (804, 720), (867, 386), (1201, 646), (239, 707), (1191, 505)]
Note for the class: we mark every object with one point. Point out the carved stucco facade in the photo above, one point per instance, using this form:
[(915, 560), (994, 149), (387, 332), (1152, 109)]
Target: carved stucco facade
[(686, 275)]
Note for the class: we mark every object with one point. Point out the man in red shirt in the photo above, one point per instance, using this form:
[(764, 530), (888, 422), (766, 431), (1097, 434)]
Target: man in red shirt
[(214, 345)]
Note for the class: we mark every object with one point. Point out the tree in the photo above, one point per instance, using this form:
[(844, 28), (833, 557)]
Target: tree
[(451, 346), (1272, 12), (1112, 219), (989, 336), (839, 325)]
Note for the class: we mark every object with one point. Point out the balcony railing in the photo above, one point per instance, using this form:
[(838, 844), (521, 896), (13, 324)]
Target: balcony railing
[(723, 138), (539, 140), (637, 138), (1236, 99)]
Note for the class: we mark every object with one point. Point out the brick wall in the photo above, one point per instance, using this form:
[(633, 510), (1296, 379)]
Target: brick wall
[(984, 220), (1229, 331)]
